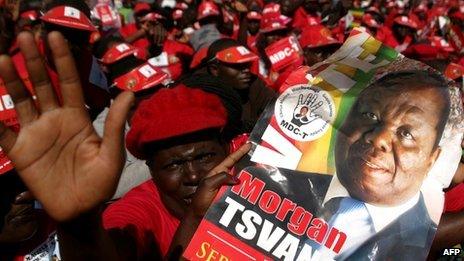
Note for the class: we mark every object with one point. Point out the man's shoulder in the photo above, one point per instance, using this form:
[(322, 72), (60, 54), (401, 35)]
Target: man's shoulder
[(411, 234)]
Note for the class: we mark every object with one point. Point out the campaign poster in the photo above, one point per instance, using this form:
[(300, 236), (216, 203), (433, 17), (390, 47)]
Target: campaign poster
[(349, 163)]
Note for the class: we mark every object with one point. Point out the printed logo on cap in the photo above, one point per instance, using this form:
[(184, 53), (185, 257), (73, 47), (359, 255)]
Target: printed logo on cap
[(305, 113), (147, 71), (122, 47), (72, 12)]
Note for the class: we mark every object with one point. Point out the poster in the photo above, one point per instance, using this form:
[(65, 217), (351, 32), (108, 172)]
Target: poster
[(349, 163)]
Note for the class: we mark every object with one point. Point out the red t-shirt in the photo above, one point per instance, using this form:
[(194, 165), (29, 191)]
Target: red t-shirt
[(143, 209), (454, 199)]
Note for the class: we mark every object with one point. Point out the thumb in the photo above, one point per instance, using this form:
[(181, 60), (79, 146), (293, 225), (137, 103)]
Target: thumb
[(113, 135)]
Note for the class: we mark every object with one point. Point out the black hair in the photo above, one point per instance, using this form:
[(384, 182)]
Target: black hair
[(78, 4), (101, 46), (123, 66), (229, 98), (422, 78)]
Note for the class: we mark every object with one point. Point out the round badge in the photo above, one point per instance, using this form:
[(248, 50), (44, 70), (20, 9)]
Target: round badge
[(304, 113)]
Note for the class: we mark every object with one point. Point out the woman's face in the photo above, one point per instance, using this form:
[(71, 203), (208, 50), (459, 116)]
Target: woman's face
[(179, 169)]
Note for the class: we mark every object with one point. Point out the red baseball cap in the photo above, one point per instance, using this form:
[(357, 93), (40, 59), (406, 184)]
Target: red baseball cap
[(369, 20), (316, 36), (406, 21), (172, 113), (177, 14), (152, 16), (181, 6), (142, 77), (253, 15), (458, 15), (139, 7), (454, 71), (118, 52), (31, 15), (207, 9), (274, 24), (373, 9), (441, 43), (422, 8), (68, 16), (236, 54)]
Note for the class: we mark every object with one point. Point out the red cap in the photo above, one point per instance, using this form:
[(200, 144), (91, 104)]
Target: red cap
[(253, 15), (422, 8), (68, 16), (207, 9), (423, 50), (153, 16), (454, 71), (316, 36), (118, 52), (198, 57), (457, 15), (274, 24), (177, 14), (369, 20), (139, 7), (181, 6), (142, 77), (271, 9), (406, 21), (373, 9), (236, 54), (441, 43), (32, 15), (172, 113)]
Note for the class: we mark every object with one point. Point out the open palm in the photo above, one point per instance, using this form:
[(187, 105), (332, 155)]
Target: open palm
[(57, 153)]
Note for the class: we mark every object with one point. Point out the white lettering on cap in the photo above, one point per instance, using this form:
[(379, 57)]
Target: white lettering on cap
[(122, 47), (72, 12), (243, 50), (147, 71)]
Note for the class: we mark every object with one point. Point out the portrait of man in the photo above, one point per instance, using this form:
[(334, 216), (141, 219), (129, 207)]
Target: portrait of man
[(301, 118), (383, 152)]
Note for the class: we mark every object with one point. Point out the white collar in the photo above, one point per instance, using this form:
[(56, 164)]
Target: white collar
[(381, 216)]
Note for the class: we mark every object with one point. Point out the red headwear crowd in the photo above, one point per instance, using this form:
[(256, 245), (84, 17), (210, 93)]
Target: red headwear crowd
[(122, 118)]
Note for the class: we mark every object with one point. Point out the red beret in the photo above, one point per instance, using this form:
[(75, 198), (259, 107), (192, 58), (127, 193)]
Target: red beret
[(171, 113)]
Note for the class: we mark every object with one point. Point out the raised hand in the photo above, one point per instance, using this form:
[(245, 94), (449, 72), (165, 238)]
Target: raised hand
[(57, 153), (217, 177)]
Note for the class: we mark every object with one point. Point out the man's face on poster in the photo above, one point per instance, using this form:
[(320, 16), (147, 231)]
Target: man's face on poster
[(386, 146)]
